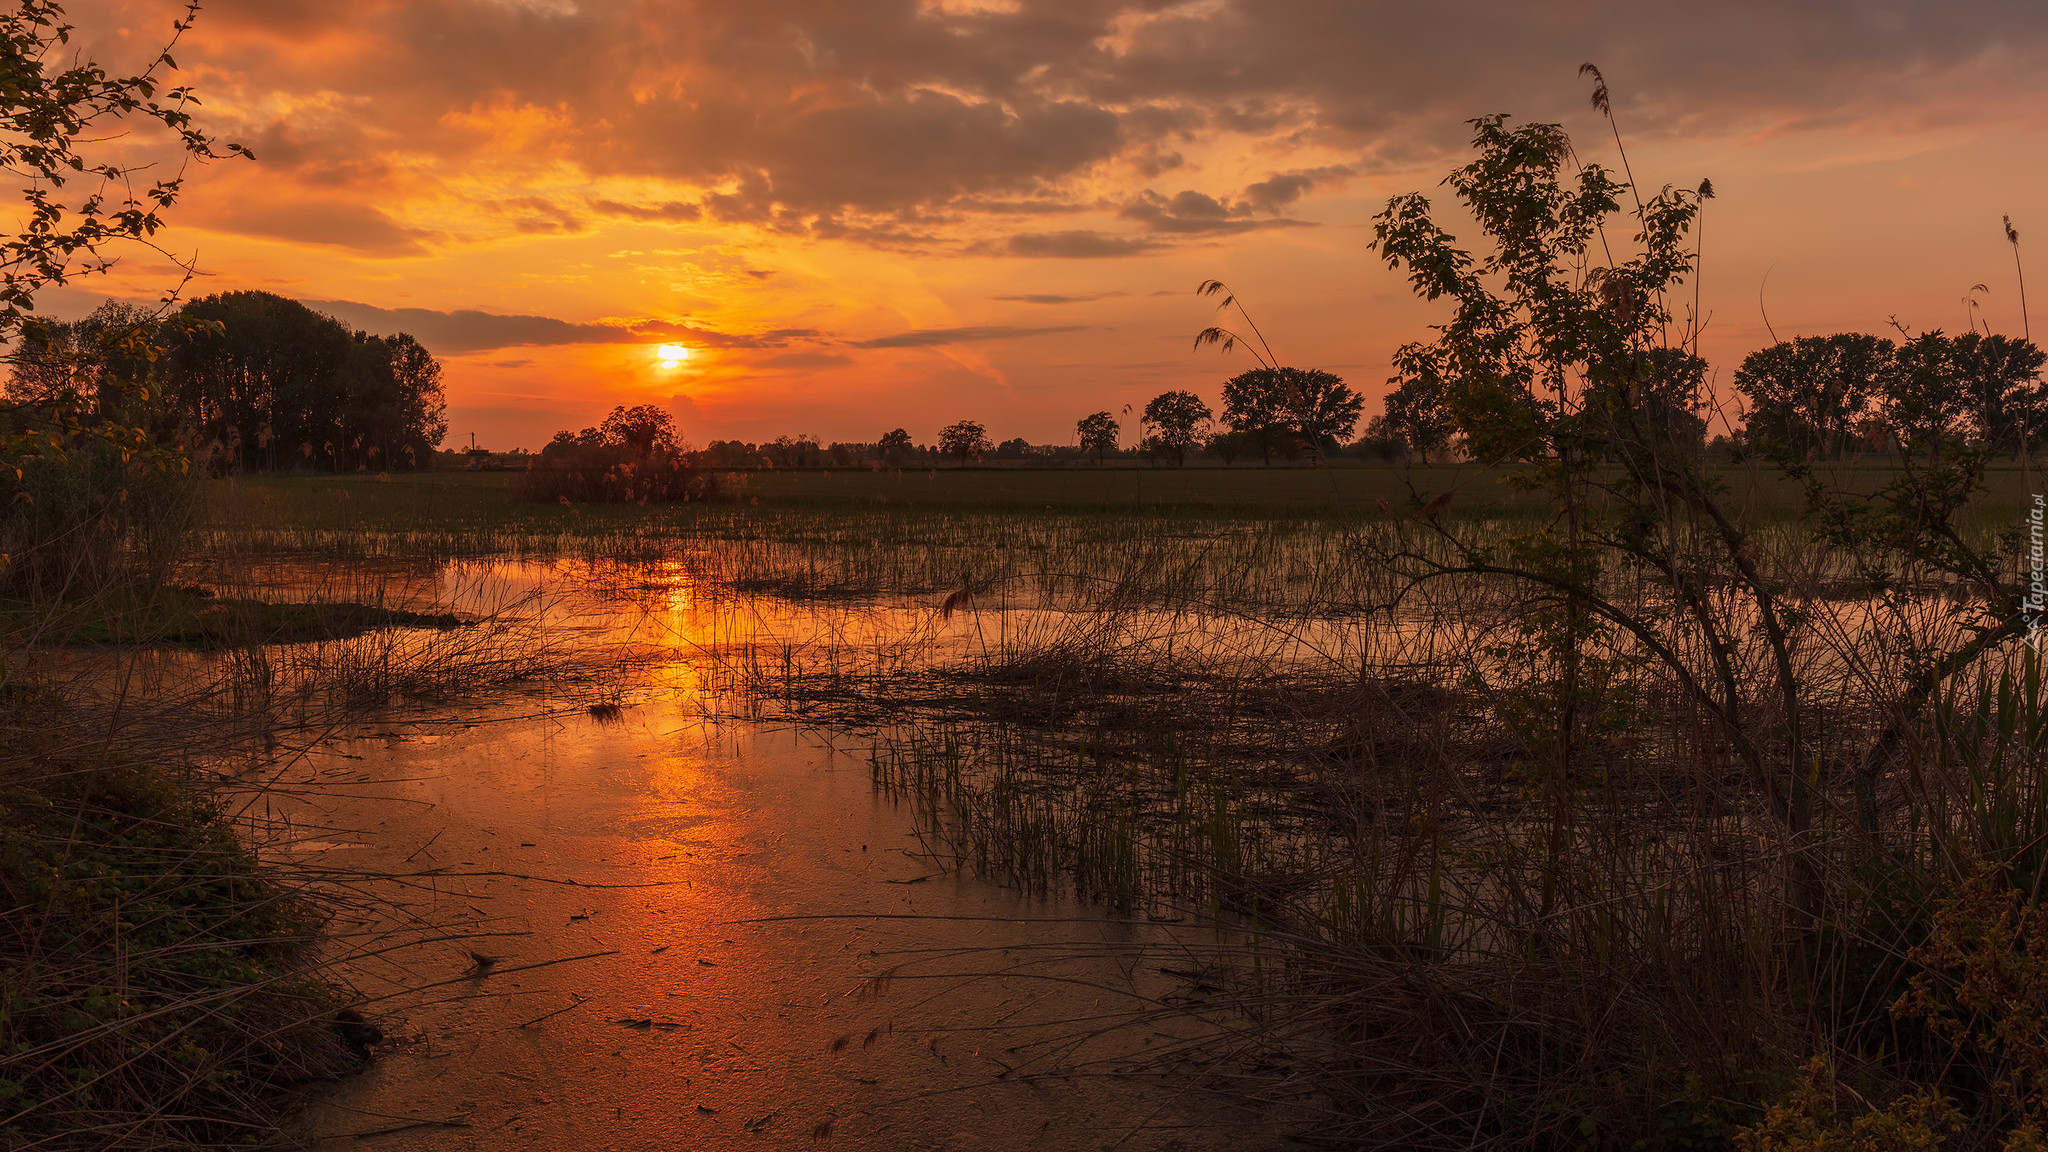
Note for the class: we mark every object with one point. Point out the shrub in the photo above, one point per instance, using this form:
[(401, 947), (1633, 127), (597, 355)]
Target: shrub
[(96, 516), (153, 990), (612, 474)]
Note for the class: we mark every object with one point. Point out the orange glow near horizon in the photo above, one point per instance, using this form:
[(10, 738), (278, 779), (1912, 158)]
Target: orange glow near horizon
[(827, 228)]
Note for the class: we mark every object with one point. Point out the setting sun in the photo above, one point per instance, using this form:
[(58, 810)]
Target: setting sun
[(671, 355)]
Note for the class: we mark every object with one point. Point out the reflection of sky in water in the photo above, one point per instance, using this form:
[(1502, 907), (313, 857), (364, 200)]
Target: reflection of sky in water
[(735, 893), (716, 986)]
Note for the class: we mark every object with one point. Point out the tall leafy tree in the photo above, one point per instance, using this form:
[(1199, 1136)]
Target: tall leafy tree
[(1808, 396), (1097, 433), (1279, 403), (1923, 401), (1415, 413), (965, 439), (1547, 319), (894, 446), (1254, 403), (395, 406), (97, 356), (268, 383), (65, 135), (1557, 331), (420, 405), (1319, 406), (2003, 393), (643, 430), (1178, 418), (1666, 398)]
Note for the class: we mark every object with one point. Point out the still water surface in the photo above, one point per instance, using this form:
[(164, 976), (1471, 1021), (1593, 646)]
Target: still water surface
[(715, 934)]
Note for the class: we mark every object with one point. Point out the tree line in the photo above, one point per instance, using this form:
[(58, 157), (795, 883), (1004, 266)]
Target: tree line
[(1277, 413), (1812, 397), (1268, 410), (247, 380)]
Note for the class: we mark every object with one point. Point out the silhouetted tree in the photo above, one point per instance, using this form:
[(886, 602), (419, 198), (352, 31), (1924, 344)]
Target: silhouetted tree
[(1253, 403), (1180, 419), (799, 451), (1225, 445), (395, 403), (1415, 413), (966, 440), (99, 357), (1098, 433), (1923, 401), (1318, 406), (1664, 400), (894, 447), (642, 429), (2002, 390), (1380, 442), (274, 383), (1807, 396)]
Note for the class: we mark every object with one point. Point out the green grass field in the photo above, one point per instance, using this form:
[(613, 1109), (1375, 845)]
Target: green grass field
[(427, 499), (454, 501)]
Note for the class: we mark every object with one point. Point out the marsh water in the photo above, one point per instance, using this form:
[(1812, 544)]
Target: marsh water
[(670, 925)]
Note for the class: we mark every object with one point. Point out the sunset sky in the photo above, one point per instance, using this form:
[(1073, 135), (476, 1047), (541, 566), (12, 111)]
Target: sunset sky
[(860, 214)]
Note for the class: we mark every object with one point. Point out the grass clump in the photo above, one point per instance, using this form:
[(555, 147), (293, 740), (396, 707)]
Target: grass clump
[(155, 982), (193, 616)]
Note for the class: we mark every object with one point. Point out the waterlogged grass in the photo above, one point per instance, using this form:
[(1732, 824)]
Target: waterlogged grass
[(162, 984), (196, 617), (1197, 706), (458, 501), (1445, 939), (155, 982)]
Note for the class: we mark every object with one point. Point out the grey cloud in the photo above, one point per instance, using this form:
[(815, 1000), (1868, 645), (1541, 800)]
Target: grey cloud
[(874, 156), (678, 211), (1283, 188), (804, 360), (930, 337), (468, 330), (1078, 244), (1024, 206), (1192, 213), (535, 215), (1153, 162), (1189, 212), (327, 222), (864, 119)]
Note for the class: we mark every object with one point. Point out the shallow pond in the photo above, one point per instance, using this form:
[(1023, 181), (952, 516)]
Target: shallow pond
[(713, 934)]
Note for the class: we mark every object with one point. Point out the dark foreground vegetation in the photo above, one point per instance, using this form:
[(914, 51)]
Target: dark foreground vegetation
[(167, 980), (151, 986), (158, 988)]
